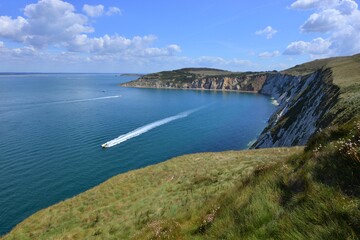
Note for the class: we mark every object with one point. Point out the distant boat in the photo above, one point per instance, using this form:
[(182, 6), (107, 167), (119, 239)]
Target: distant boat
[(104, 145)]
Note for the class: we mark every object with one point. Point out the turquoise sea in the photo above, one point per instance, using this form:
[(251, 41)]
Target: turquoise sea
[(52, 127)]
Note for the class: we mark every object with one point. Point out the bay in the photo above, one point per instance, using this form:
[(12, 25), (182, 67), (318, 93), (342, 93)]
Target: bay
[(52, 127)]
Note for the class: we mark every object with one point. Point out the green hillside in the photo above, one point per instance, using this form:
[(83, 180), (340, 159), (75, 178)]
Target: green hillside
[(173, 195)]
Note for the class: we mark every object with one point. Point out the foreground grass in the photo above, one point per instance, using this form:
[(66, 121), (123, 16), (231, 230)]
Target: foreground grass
[(170, 195), (313, 195)]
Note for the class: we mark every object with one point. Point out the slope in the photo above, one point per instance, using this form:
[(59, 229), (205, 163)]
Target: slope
[(174, 193)]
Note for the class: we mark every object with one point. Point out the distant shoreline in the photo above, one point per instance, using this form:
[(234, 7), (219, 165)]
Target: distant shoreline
[(195, 89), (131, 75)]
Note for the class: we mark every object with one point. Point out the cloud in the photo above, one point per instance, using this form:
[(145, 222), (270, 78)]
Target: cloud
[(12, 28), (309, 4), (137, 46), (17, 54), (93, 11), (54, 23), (50, 22), (113, 11), (318, 46), (219, 62), (155, 52), (337, 22), (345, 6), (99, 10), (268, 32), (269, 54), (325, 21)]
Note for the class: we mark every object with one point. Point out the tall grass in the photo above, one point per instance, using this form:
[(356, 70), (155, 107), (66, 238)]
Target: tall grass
[(314, 195)]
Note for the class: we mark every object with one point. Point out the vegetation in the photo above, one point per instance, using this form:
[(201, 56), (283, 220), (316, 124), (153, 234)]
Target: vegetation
[(183, 78), (313, 195), (166, 199)]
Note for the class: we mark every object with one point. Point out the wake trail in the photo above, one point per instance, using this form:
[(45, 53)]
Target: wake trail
[(85, 100), (148, 127)]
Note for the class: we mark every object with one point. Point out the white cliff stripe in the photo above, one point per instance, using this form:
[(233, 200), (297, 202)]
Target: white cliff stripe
[(148, 127)]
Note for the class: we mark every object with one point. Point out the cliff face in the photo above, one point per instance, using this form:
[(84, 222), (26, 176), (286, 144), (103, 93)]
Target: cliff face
[(304, 101), (252, 82)]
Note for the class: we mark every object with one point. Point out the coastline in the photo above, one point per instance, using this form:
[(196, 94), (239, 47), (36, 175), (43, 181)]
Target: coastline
[(195, 89)]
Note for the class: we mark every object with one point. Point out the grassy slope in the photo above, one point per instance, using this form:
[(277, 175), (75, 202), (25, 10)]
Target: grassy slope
[(314, 195), (345, 75), (177, 191)]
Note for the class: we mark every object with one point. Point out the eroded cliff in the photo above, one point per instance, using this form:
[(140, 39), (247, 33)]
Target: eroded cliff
[(218, 80), (303, 103)]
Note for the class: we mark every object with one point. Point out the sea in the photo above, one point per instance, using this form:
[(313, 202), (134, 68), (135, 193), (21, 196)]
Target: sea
[(53, 126)]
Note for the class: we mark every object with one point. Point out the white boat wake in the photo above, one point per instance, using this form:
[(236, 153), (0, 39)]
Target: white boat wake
[(148, 127), (85, 100)]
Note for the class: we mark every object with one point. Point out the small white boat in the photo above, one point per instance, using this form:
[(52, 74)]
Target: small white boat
[(104, 145)]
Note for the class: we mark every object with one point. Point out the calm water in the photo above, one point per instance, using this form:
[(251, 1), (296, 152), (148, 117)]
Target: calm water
[(52, 127)]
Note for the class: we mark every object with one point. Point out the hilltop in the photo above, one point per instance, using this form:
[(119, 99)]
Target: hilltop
[(266, 193)]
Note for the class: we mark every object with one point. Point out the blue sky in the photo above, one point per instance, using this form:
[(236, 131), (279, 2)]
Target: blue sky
[(149, 36)]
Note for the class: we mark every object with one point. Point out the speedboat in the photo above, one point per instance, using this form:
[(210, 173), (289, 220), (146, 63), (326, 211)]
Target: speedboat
[(104, 145)]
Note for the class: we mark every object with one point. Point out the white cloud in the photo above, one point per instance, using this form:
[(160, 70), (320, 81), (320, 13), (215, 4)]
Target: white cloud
[(336, 21), (12, 28), (318, 46), (113, 11), (155, 52), (308, 4), (325, 21), (137, 46), (268, 32), (347, 6), (219, 62), (269, 54), (54, 23), (93, 11)]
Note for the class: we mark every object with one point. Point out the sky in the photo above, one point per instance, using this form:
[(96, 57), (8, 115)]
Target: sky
[(136, 36)]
